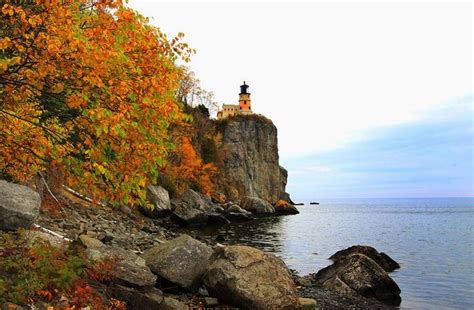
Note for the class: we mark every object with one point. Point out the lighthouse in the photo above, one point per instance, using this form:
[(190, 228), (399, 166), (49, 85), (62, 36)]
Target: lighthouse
[(243, 108)]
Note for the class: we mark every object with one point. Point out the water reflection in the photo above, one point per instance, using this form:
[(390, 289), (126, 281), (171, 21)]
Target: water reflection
[(263, 233), (432, 239)]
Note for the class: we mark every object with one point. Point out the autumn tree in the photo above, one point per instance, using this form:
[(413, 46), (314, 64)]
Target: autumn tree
[(89, 87), (191, 93), (187, 169)]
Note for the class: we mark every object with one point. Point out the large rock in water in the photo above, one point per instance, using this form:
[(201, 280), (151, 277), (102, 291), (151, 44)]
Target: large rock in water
[(257, 205), (19, 206), (382, 259), (161, 202), (186, 215), (251, 279), (251, 162), (357, 274), (284, 207), (182, 260)]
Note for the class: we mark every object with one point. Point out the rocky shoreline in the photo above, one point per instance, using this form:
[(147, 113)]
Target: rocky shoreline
[(159, 268)]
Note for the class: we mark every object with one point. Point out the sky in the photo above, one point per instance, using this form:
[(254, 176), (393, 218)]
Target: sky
[(370, 99)]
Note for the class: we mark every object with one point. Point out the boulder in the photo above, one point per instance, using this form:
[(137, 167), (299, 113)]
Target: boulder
[(236, 209), (19, 206), (182, 260), (384, 261), (239, 217), (246, 277), (284, 207), (129, 267), (150, 298), (357, 274), (197, 201), (217, 218), (161, 202), (186, 215), (257, 205)]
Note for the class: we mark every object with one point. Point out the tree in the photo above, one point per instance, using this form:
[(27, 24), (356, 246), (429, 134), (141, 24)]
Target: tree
[(191, 93), (88, 87)]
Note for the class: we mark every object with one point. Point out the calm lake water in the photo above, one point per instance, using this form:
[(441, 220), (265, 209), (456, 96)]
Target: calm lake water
[(432, 239)]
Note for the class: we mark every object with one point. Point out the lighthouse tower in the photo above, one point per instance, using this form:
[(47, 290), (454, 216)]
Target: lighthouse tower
[(245, 106)]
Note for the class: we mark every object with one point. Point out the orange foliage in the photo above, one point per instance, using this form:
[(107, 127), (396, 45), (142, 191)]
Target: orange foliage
[(189, 170), (88, 87)]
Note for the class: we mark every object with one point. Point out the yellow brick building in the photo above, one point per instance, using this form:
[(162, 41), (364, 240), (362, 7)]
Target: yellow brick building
[(244, 106)]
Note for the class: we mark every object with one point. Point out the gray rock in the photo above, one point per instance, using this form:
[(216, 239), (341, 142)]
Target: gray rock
[(53, 240), (129, 267), (137, 300), (234, 208), (251, 161), (217, 218), (382, 259), (239, 217), (197, 201), (357, 274), (161, 202), (19, 206), (90, 242), (185, 215), (251, 279), (257, 205), (182, 260), (283, 181), (170, 303)]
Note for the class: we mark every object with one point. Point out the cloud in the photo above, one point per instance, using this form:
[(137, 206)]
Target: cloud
[(432, 157)]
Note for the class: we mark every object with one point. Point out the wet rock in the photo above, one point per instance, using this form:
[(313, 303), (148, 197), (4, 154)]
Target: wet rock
[(19, 206), (217, 218), (249, 278), (239, 217), (234, 208), (129, 267), (161, 202), (257, 205), (185, 215), (357, 274), (382, 259), (182, 260), (284, 207), (330, 300)]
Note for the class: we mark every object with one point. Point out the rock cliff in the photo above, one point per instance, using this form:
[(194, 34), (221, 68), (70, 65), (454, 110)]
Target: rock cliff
[(250, 165)]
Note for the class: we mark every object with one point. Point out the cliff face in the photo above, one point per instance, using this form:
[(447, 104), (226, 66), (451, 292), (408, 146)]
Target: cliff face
[(250, 165)]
